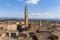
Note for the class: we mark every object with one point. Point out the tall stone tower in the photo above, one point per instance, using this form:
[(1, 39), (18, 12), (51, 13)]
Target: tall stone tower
[(40, 28), (41, 23), (26, 16)]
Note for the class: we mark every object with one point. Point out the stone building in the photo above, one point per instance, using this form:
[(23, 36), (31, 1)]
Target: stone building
[(11, 26)]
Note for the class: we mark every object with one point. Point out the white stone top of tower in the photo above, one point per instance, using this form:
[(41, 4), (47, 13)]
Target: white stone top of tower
[(26, 10)]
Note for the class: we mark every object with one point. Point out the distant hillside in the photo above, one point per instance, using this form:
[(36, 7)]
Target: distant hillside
[(22, 19)]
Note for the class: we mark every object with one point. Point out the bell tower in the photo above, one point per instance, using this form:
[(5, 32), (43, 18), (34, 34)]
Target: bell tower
[(26, 16)]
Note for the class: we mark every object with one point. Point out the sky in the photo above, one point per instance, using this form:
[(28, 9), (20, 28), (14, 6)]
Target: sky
[(36, 8)]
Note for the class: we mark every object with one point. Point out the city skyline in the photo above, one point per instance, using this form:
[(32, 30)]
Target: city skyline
[(36, 8)]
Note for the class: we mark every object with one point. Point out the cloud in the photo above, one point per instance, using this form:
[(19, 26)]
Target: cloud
[(46, 15), (8, 4), (32, 1)]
